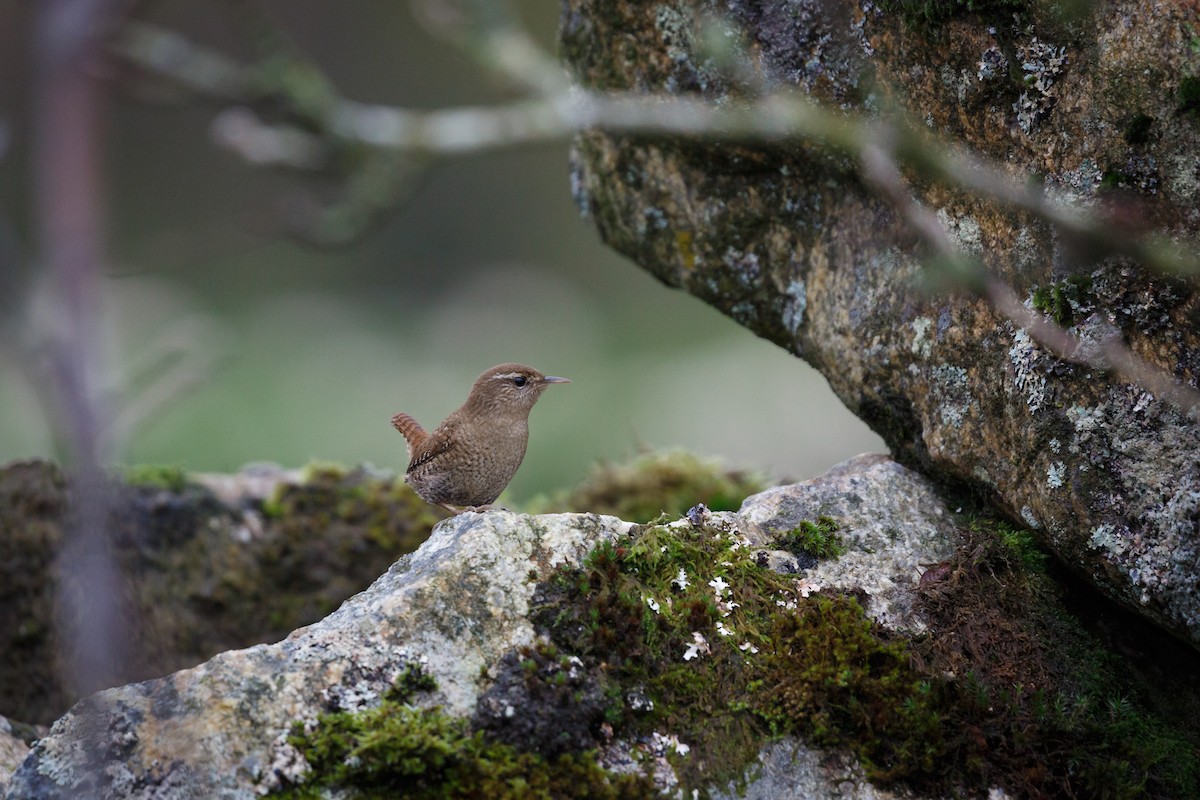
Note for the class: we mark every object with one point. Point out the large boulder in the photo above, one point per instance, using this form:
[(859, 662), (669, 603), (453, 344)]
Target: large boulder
[(790, 242), (208, 562)]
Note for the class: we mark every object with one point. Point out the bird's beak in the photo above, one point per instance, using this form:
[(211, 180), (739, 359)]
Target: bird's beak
[(552, 379)]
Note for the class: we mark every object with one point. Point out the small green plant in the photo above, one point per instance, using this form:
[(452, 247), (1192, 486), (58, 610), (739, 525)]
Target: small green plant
[(1189, 96), (156, 476), (1137, 131), (818, 539), (1064, 301), (1023, 544)]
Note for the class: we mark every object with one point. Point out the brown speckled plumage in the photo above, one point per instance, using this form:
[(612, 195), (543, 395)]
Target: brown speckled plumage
[(469, 459)]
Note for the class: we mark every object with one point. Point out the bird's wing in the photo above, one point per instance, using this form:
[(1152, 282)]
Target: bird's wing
[(435, 444), (414, 435)]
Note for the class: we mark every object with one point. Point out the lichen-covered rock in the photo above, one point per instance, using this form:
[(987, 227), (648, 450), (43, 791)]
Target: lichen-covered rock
[(787, 770), (790, 242), (892, 522), (454, 607), (12, 752), (209, 563)]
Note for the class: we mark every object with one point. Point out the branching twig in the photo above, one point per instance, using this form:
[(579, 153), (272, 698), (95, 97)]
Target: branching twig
[(554, 111)]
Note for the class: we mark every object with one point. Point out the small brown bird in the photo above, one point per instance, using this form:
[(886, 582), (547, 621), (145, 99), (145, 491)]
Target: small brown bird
[(468, 460)]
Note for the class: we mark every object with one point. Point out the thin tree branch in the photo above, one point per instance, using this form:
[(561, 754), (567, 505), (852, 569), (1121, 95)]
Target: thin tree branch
[(68, 122), (554, 110)]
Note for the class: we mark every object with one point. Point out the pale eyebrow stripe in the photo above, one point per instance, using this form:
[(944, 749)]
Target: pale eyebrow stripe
[(508, 376)]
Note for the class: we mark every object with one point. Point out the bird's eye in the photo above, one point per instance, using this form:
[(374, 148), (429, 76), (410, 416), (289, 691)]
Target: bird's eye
[(520, 381)]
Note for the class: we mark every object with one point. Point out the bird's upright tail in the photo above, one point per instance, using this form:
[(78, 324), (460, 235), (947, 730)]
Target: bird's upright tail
[(414, 435)]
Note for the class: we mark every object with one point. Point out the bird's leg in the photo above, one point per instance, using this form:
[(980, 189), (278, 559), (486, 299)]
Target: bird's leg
[(472, 509)]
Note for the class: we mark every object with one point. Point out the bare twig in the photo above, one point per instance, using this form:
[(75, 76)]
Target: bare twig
[(489, 32), (553, 111)]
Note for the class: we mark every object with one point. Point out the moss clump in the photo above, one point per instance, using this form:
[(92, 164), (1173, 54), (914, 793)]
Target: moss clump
[(326, 538), (156, 476), (394, 518), (662, 619), (1189, 96), (1065, 301), (1032, 687), (1005, 689), (818, 539), (695, 639), (1019, 541), (832, 676), (34, 506), (1137, 130), (397, 749), (655, 484)]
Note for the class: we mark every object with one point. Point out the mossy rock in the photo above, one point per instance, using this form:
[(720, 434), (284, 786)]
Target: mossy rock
[(655, 484), (200, 577)]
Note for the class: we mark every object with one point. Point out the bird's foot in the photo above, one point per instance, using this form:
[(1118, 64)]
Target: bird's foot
[(472, 509)]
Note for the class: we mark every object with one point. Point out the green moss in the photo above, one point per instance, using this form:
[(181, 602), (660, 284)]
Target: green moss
[(1004, 679), (1066, 301), (394, 517), (1021, 542), (832, 677), (156, 476), (813, 666), (326, 538), (1137, 130), (655, 484), (646, 616), (1189, 96), (818, 539), (397, 749), (1032, 686)]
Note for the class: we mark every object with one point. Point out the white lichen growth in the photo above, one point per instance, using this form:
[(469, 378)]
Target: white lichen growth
[(795, 303), (699, 646), (1024, 356), (954, 397), (964, 230), (680, 581), (992, 64), (1042, 64), (921, 343), (1055, 475), (1030, 519)]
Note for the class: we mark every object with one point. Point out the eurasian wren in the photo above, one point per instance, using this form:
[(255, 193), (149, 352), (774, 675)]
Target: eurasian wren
[(468, 460)]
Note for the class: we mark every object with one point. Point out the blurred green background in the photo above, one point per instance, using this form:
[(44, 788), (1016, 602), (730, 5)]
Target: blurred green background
[(303, 353)]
